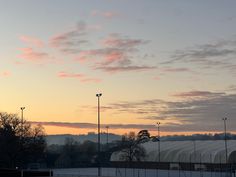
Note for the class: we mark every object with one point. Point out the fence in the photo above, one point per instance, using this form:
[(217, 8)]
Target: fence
[(149, 169), (25, 173)]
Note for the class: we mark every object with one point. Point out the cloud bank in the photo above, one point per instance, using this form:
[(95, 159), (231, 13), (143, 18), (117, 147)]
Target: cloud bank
[(215, 55), (194, 111)]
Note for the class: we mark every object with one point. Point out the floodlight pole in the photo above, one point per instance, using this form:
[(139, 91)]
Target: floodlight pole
[(107, 127), (159, 142), (99, 163), (22, 120), (22, 114), (226, 148)]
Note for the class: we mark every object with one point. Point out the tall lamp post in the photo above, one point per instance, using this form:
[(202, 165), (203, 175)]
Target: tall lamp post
[(22, 120), (159, 142), (226, 148), (107, 127), (22, 114), (99, 165)]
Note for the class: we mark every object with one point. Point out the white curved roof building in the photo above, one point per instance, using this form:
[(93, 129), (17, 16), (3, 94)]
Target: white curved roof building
[(187, 151)]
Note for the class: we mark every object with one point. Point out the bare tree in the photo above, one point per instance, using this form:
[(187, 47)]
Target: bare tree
[(19, 142), (131, 149)]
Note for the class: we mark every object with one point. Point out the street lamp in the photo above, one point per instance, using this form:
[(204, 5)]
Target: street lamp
[(159, 142), (22, 114), (226, 149), (99, 168), (107, 127), (22, 120)]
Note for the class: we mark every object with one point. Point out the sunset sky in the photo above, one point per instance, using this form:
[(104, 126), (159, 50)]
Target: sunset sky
[(153, 60)]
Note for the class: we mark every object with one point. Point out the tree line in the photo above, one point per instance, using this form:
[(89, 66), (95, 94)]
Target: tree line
[(22, 144)]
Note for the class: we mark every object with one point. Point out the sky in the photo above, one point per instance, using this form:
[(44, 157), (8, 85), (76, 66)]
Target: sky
[(168, 61)]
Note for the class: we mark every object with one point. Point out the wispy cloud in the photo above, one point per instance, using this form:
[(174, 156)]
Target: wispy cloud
[(219, 54), (31, 41), (80, 77), (32, 55), (116, 69), (174, 69), (198, 94), (117, 55), (117, 41), (34, 52), (185, 114), (71, 41)]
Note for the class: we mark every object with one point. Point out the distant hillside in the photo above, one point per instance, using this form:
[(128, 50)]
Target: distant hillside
[(60, 139)]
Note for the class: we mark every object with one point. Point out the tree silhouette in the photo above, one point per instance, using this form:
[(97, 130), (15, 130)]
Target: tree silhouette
[(143, 136), (19, 142), (131, 150)]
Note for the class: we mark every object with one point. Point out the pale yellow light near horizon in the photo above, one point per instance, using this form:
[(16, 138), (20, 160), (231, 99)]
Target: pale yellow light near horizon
[(55, 130)]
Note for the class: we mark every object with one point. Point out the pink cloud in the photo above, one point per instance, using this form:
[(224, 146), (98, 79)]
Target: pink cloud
[(18, 62), (107, 14), (70, 75), (32, 41), (96, 80), (31, 55), (85, 56), (81, 77), (115, 56), (157, 78), (5, 74), (106, 55)]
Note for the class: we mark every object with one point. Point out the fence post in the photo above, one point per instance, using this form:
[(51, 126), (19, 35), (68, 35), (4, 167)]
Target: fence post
[(179, 166), (168, 170), (125, 171)]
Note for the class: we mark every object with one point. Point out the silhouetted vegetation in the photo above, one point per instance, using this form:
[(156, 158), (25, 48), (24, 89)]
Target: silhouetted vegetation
[(20, 143), (72, 154), (75, 154), (130, 146)]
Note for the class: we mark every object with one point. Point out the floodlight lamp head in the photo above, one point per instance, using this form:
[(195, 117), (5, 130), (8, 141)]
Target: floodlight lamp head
[(99, 94), (22, 108)]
